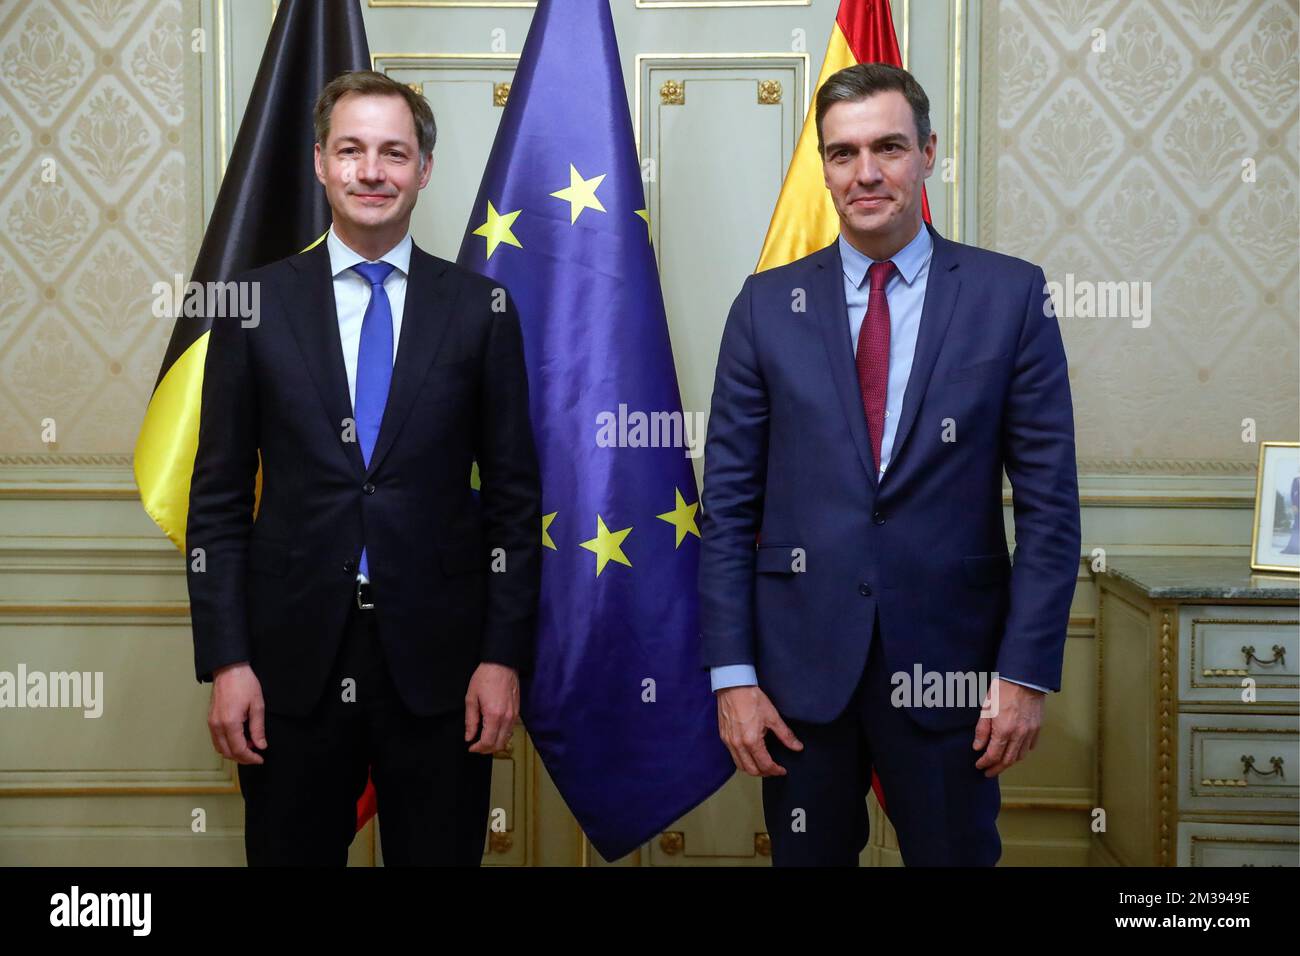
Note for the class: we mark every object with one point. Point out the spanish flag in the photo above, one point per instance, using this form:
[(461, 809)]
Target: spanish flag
[(805, 219)]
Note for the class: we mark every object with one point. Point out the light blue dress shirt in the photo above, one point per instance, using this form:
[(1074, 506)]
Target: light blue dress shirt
[(352, 295), (905, 293)]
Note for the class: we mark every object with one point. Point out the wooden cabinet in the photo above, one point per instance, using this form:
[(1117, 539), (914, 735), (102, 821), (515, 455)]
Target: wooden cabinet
[(1198, 750)]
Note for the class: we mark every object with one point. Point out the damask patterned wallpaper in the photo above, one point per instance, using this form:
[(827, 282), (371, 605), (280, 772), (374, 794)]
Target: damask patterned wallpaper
[(98, 159), (1168, 157)]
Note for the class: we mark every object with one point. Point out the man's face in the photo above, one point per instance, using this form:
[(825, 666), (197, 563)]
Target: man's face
[(370, 166), (874, 168)]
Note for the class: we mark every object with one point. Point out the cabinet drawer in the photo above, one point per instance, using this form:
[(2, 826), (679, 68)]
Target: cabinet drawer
[(1238, 763), (1220, 647), (1235, 844)]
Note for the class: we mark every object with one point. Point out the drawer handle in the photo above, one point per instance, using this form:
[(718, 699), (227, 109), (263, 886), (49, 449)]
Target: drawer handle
[(1247, 768), (1279, 656)]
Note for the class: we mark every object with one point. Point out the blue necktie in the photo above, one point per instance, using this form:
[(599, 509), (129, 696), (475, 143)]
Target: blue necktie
[(374, 364)]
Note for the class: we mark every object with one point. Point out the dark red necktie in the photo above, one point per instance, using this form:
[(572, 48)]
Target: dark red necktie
[(873, 354)]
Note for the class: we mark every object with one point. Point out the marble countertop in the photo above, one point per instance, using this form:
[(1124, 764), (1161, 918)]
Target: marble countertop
[(1163, 577)]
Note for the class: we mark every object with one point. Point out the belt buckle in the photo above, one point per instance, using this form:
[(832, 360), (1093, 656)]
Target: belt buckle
[(363, 597)]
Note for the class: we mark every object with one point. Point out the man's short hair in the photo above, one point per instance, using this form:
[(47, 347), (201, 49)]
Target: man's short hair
[(855, 83), (370, 83)]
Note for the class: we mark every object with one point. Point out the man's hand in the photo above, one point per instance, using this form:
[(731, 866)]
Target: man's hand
[(236, 697), (744, 716), (1014, 728), (493, 695)]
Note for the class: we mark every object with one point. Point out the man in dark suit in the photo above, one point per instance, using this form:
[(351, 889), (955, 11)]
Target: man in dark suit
[(376, 614), (867, 400)]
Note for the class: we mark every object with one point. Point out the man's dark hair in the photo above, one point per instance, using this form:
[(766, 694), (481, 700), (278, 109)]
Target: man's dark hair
[(855, 83), (370, 83)]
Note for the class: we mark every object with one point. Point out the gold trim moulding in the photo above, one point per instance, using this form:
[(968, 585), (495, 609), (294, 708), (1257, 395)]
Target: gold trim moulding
[(177, 609), (708, 4), (1069, 806), (376, 57), (480, 4), (68, 492), (131, 791)]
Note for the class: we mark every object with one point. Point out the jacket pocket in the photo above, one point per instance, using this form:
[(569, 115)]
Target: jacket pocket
[(779, 559), (987, 569)]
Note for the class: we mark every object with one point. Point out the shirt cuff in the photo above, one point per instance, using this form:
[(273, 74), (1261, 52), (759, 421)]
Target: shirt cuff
[(1024, 683), (732, 675)]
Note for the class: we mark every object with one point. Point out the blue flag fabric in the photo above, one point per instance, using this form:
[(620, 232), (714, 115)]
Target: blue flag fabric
[(618, 705)]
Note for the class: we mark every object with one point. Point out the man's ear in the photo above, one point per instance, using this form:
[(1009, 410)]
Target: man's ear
[(931, 152), (428, 170), (320, 169)]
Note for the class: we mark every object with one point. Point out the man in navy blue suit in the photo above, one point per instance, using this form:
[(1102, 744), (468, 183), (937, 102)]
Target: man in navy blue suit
[(857, 596)]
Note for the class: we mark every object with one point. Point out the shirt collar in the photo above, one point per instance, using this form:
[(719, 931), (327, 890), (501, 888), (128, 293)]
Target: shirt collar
[(342, 257), (907, 261)]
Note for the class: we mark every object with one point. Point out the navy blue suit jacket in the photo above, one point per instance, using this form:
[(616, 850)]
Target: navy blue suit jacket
[(788, 460)]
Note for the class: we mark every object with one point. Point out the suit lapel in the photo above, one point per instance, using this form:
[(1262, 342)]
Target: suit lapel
[(941, 290), (431, 291), (313, 317), (833, 317)]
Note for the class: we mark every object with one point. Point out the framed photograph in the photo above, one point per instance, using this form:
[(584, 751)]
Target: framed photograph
[(1275, 542)]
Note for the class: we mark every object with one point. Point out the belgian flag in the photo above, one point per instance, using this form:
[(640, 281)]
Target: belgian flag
[(270, 206)]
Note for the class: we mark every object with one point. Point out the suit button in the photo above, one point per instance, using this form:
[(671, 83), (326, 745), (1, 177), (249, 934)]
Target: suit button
[(864, 589), (349, 566), (368, 488), (878, 517)]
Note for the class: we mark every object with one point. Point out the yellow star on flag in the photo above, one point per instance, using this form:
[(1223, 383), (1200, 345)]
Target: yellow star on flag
[(546, 533), (580, 194), (607, 546), (645, 214), (682, 518), (497, 229)]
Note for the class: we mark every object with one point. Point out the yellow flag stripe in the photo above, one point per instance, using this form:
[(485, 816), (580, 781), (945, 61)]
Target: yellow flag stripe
[(805, 219), (169, 439)]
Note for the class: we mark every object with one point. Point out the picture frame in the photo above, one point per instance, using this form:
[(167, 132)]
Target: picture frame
[(1275, 537)]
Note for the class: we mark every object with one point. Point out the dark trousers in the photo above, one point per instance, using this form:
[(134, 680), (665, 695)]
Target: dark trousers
[(943, 809), (432, 793)]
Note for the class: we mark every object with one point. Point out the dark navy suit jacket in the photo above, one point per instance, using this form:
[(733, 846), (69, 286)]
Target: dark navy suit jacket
[(277, 591), (788, 467)]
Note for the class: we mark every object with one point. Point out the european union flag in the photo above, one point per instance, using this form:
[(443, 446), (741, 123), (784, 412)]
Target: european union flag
[(617, 705)]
